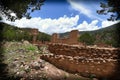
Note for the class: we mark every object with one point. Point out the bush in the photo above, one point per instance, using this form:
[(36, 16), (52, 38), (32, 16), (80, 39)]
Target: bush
[(87, 39), (31, 48)]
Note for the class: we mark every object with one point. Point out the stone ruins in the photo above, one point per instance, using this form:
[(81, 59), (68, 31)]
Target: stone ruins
[(69, 55), (85, 61), (34, 33), (72, 39)]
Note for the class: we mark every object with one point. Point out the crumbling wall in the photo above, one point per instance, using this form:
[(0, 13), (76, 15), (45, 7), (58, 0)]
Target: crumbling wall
[(85, 61), (89, 52), (72, 39), (34, 33), (82, 66)]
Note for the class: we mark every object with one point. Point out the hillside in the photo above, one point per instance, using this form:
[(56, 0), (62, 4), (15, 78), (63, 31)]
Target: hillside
[(10, 33), (106, 29), (109, 35)]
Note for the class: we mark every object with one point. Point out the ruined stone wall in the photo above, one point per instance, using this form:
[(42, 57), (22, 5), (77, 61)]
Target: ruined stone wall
[(82, 66), (85, 61), (72, 39), (55, 38), (34, 33), (89, 52)]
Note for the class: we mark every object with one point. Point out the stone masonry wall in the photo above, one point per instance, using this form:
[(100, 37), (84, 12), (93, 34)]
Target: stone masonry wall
[(85, 61), (89, 52), (72, 39), (34, 33)]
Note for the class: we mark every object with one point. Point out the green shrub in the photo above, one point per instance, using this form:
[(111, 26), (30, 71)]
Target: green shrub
[(87, 39)]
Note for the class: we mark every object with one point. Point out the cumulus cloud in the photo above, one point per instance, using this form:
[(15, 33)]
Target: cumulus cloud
[(48, 25), (60, 25), (85, 26)]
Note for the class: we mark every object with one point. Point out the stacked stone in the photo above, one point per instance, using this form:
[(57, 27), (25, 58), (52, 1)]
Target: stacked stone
[(80, 65), (83, 60), (88, 52)]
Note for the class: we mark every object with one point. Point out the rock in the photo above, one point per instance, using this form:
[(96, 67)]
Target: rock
[(21, 50), (98, 69), (16, 59), (94, 79), (84, 74), (37, 51), (40, 61), (17, 73), (14, 64), (35, 65), (21, 66), (25, 42), (42, 65), (26, 67), (22, 73), (22, 63), (104, 61), (98, 62), (46, 68)]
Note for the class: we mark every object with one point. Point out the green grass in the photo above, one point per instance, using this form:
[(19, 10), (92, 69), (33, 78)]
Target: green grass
[(31, 48)]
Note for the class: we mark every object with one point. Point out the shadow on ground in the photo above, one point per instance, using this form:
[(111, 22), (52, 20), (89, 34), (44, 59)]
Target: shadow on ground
[(3, 67)]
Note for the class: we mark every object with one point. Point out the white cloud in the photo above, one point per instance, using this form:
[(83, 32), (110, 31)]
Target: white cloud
[(48, 25), (89, 11), (60, 25), (108, 23), (80, 7), (85, 26), (88, 26)]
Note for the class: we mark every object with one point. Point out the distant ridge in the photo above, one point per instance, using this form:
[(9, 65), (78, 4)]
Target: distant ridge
[(108, 35)]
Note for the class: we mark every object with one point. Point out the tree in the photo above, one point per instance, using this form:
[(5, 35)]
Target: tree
[(19, 7), (113, 7), (0, 18), (87, 39), (9, 34), (43, 37), (27, 36)]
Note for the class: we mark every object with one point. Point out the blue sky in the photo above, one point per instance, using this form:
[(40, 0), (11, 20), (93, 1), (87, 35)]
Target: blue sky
[(55, 9), (58, 16)]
